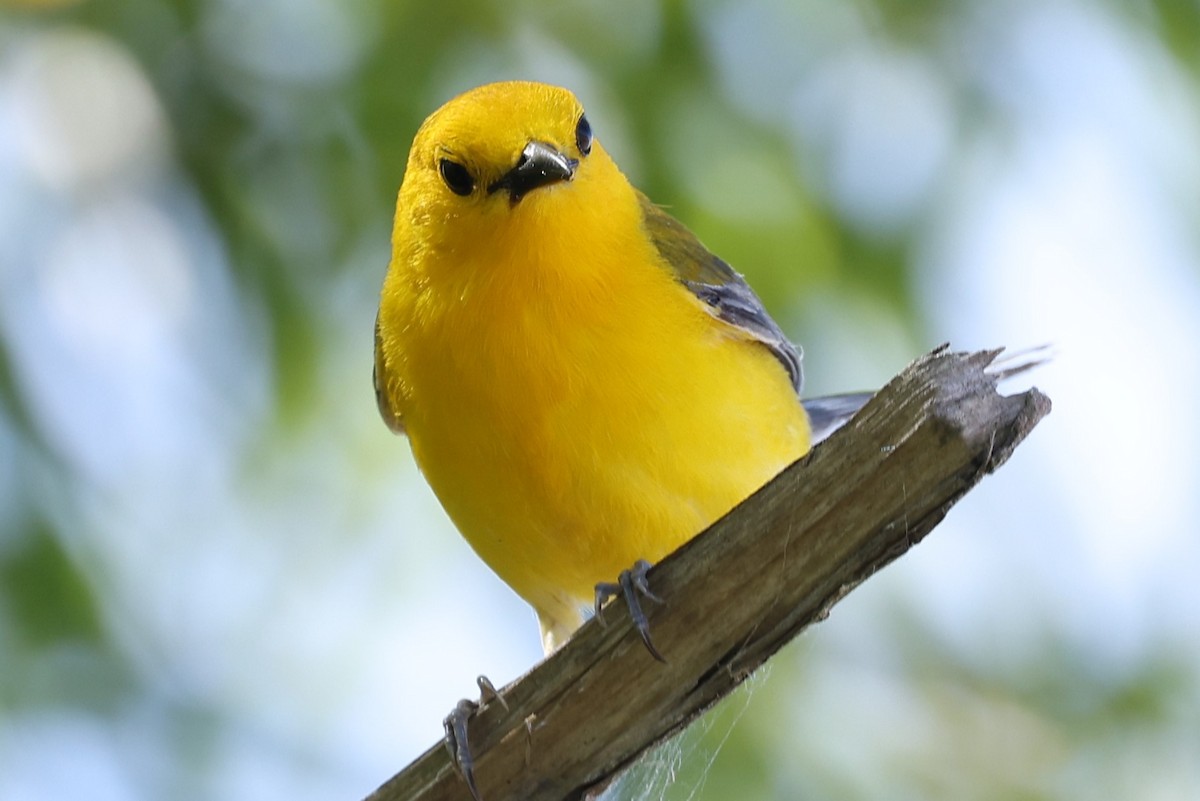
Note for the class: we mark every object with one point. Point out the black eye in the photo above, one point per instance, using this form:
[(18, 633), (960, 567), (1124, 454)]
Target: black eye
[(456, 177), (583, 135)]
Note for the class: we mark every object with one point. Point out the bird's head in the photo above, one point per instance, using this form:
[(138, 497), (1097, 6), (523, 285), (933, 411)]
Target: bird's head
[(502, 157)]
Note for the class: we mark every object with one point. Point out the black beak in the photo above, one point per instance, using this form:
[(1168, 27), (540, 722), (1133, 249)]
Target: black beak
[(539, 165)]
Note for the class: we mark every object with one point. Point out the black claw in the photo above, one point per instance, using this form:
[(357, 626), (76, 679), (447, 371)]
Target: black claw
[(631, 583), (637, 576), (456, 743), (455, 725), (489, 693), (604, 591)]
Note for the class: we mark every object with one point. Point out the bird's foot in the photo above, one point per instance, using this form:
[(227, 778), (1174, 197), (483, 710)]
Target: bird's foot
[(630, 584), (455, 725)]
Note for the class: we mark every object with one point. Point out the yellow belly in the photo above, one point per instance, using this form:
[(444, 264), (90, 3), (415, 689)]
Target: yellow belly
[(565, 447)]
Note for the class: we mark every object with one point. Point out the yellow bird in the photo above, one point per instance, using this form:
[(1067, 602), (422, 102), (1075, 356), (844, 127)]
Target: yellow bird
[(583, 384)]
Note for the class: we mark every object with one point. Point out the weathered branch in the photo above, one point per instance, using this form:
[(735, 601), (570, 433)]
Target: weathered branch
[(742, 589)]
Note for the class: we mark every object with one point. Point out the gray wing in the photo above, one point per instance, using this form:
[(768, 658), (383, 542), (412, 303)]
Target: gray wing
[(379, 377), (726, 294)]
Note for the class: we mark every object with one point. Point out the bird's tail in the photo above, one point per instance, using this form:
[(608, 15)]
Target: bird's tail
[(1015, 362), (828, 413)]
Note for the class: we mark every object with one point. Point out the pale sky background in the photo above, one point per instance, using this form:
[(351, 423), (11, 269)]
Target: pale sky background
[(311, 598)]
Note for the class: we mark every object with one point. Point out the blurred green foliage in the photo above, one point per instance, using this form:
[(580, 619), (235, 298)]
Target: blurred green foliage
[(291, 126)]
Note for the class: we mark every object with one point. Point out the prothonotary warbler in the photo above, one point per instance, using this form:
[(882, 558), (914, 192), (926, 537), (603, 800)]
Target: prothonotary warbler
[(583, 384)]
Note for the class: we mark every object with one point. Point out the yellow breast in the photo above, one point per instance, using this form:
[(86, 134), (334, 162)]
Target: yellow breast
[(573, 406)]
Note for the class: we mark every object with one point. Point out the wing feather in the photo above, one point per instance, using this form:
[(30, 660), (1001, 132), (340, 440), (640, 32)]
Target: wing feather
[(379, 377), (725, 293)]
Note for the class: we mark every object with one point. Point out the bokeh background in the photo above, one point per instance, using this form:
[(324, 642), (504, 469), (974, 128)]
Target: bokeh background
[(222, 578)]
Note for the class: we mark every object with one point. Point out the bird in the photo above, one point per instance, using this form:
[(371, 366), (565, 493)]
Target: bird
[(583, 384)]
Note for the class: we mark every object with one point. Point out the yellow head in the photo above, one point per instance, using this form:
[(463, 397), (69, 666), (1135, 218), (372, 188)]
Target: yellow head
[(498, 168)]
